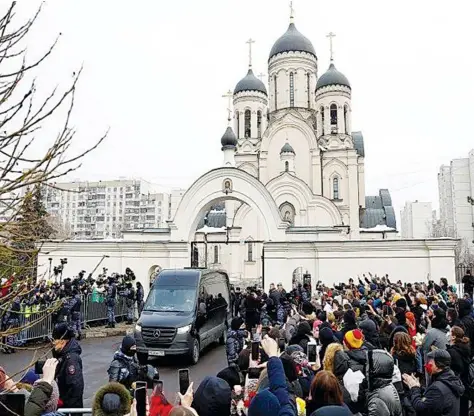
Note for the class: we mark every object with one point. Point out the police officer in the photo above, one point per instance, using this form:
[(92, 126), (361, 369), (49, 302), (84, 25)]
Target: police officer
[(12, 321), (130, 302), (124, 368), (76, 303), (110, 300), (140, 297), (69, 371)]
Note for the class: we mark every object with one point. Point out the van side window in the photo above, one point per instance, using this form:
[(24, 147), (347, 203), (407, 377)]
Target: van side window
[(218, 292)]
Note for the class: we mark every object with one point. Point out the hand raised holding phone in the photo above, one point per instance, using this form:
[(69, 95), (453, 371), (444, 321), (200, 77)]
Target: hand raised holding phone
[(187, 398)]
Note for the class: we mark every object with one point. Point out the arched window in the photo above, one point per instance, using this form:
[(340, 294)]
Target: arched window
[(216, 254), (250, 250), (237, 117), (259, 123), (333, 112), (287, 166), (335, 188), (346, 119), (308, 87), (248, 124), (321, 110), (292, 89), (276, 91)]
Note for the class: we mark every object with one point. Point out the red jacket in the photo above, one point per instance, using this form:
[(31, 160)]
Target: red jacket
[(159, 406)]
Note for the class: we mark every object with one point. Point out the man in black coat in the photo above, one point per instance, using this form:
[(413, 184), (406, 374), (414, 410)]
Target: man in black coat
[(468, 281), (466, 320), (69, 370)]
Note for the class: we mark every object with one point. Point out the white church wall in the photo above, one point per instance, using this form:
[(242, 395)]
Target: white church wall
[(297, 139), (255, 102), (333, 262)]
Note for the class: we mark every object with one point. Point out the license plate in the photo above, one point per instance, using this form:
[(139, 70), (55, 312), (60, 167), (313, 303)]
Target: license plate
[(156, 353)]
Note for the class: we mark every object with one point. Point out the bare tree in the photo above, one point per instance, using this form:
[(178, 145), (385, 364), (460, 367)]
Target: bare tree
[(22, 115)]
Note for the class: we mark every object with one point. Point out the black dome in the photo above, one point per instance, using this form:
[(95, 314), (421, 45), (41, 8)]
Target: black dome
[(229, 139), (332, 77), (250, 83), (287, 148), (292, 41)]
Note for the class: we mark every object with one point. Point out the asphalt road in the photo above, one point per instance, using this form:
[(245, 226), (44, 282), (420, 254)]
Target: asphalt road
[(96, 357)]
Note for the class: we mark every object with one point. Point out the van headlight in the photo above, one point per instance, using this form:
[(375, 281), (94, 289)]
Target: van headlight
[(184, 329), (138, 328)]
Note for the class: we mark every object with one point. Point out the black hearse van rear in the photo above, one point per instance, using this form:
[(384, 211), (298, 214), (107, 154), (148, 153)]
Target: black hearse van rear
[(185, 311)]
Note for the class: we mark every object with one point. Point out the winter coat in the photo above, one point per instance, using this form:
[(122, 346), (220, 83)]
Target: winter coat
[(291, 328), (467, 321), (234, 344), (70, 378), (356, 360), (406, 363), (38, 399), (441, 398), (278, 387), (434, 337), (382, 396), (302, 335), (371, 335), (460, 359), (123, 369)]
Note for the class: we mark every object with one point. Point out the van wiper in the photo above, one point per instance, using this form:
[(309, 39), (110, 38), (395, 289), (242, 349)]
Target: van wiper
[(152, 310)]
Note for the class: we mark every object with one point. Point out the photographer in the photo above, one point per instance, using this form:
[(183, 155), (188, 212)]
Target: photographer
[(110, 301), (124, 368), (69, 372)]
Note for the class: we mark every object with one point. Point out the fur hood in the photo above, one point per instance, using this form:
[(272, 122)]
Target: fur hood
[(121, 391)]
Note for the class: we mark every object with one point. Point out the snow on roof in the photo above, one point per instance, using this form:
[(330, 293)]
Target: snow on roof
[(378, 228), (210, 230)]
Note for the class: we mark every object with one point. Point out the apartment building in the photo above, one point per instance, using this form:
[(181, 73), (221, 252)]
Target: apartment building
[(417, 220), (456, 198), (104, 209)]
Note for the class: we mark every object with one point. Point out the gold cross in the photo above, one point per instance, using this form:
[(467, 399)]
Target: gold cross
[(331, 35), (249, 42), (229, 96)]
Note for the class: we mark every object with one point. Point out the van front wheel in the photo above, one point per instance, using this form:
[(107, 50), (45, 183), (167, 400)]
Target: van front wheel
[(194, 353)]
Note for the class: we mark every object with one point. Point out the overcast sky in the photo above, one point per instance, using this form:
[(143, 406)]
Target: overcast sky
[(155, 71)]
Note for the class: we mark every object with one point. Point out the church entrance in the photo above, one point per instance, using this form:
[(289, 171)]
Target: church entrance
[(224, 248)]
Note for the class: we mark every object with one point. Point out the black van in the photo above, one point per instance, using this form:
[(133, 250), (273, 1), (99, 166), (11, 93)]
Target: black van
[(185, 311)]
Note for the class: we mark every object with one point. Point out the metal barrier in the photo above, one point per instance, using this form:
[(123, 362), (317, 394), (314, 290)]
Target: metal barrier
[(86, 410), (39, 325)]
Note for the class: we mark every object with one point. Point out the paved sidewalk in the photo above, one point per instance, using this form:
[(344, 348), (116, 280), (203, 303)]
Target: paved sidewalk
[(103, 332)]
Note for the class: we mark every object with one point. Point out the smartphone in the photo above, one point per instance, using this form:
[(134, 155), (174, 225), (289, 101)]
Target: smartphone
[(183, 379), (39, 367), (140, 397), (281, 344), (255, 350), (311, 353)]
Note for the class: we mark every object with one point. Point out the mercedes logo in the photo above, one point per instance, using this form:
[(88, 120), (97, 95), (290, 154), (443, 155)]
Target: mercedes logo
[(156, 333)]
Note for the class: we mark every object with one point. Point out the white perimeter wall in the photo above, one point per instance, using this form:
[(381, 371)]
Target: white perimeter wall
[(336, 261), (329, 261)]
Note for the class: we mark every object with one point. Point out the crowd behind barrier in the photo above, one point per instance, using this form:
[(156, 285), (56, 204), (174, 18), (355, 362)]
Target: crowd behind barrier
[(39, 325)]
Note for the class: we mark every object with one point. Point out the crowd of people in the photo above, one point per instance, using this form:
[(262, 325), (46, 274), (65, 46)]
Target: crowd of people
[(21, 303), (372, 347)]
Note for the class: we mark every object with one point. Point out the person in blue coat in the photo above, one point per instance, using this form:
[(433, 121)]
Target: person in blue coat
[(276, 400)]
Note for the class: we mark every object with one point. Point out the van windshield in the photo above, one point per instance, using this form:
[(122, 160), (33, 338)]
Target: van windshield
[(171, 299)]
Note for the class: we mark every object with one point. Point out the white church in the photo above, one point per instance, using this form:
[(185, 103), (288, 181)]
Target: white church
[(289, 199)]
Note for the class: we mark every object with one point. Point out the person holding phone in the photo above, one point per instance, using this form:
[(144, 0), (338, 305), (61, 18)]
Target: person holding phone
[(44, 397)]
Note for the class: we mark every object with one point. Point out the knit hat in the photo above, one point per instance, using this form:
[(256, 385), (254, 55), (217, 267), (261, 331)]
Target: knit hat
[(441, 358), (62, 331), (30, 377), (263, 404), (110, 400), (354, 339), (231, 375), (127, 343), (52, 404), (236, 323), (212, 397), (401, 303), (293, 348)]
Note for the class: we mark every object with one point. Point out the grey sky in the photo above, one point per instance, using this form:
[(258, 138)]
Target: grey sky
[(155, 72)]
